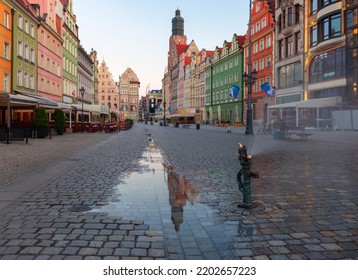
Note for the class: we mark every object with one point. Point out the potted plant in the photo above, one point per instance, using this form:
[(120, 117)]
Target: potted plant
[(40, 122), (60, 121)]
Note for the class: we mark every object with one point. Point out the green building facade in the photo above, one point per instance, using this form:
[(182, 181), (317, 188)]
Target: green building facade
[(24, 49), (223, 71), (70, 54)]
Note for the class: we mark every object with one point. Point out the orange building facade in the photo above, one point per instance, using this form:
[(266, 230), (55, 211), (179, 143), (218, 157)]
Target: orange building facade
[(5, 47)]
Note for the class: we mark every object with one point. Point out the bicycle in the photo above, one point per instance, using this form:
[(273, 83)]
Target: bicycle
[(265, 129)]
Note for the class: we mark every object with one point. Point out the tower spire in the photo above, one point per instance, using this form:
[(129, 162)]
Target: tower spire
[(177, 24)]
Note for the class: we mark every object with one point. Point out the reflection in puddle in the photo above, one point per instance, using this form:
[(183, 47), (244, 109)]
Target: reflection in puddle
[(151, 192), (174, 209)]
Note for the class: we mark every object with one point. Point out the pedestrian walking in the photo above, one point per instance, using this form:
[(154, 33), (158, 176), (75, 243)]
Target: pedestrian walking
[(229, 128)]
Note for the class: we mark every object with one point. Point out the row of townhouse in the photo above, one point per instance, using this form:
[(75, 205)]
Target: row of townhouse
[(306, 50), (41, 57)]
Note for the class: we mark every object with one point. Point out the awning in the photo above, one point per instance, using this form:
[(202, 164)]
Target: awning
[(96, 108), (79, 108), (17, 100), (311, 103), (41, 101), (64, 106), (181, 115)]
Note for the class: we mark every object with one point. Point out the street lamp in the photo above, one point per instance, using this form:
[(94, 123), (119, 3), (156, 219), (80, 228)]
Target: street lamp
[(250, 78), (109, 110), (164, 105), (119, 103), (82, 90)]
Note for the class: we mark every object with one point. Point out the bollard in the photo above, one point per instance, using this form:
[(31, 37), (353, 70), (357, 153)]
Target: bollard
[(245, 171)]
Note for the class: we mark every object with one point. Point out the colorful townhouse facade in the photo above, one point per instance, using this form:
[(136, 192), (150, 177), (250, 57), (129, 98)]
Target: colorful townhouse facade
[(315, 62), (223, 71), (85, 75), (6, 41), (200, 96), (262, 58), (70, 38), (108, 91), (129, 95), (25, 48), (49, 57), (176, 39)]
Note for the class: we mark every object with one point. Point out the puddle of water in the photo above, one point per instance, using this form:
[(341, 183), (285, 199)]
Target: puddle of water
[(154, 193), (173, 208)]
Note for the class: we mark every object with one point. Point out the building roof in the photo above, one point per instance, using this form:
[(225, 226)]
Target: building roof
[(241, 39), (181, 49)]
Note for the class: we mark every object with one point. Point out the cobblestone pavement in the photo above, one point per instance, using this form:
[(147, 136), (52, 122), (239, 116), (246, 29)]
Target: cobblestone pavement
[(55, 196)]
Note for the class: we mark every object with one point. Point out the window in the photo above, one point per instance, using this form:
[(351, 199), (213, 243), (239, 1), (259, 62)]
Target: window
[(256, 48), (26, 80), (26, 52), (298, 43), (332, 26), (6, 20), (327, 66), (268, 79), (32, 81), (297, 14), (26, 26), (20, 22), (264, 23), (313, 6), (289, 16), (19, 49), (19, 77), (32, 31), (280, 49), (6, 51), (313, 36), (6, 83), (268, 41), (290, 75), (262, 44), (262, 82), (268, 61), (257, 7), (283, 19), (327, 2), (262, 64), (32, 55), (289, 46), (257, 27)]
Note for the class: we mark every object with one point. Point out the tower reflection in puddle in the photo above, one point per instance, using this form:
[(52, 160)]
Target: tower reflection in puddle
[(151, 191), (180, 191)]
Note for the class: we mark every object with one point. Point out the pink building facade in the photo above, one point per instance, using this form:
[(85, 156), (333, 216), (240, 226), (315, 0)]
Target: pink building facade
[(49, 51)]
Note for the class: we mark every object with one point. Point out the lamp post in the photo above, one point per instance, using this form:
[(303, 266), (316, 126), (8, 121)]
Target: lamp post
[(109, 110), (164, 105), (82, 90), (119, 102), (249, 78)]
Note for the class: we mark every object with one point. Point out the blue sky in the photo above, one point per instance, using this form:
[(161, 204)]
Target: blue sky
[(139, 30)]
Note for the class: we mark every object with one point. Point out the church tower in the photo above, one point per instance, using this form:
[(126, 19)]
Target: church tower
[(177, 37), (177, 24)]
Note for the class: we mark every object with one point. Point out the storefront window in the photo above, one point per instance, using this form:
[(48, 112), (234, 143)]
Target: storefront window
[(327, 66)]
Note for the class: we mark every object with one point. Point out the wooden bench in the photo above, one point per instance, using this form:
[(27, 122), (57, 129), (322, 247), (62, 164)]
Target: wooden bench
[(186, 125), (297, 131)]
